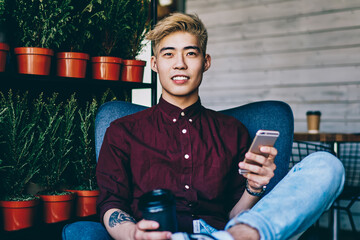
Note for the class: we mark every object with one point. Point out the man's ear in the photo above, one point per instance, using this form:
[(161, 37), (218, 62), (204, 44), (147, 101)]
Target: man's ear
[(153, 64), (207, 62)]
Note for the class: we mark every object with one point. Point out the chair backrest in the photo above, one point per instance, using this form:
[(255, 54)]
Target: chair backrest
[(268, 115), (109, 112), (349, 154), (301, 149)]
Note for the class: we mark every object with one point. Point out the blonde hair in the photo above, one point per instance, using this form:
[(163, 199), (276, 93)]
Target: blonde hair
[(178, 22)]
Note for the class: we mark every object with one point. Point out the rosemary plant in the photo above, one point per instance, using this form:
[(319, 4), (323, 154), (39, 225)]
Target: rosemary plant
[(2, 12), (24, 143), (3, 109), (140, 25), (78, 30), (85, 163), (83, 166), (111, 27), (121, 27), (41, 23), (59, 124)]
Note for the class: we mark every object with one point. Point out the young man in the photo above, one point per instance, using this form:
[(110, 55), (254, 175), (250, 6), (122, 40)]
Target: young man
[(196, 153), (178, 145)]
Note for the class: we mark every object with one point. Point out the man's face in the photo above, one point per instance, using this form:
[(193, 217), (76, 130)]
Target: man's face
[(180, 65)]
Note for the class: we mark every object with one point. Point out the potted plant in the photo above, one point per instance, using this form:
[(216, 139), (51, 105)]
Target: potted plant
[(84, 164), (21, 148), (72, 60), (58, 122), (110, 30), (133, 69), (4, 48), (39, 26)]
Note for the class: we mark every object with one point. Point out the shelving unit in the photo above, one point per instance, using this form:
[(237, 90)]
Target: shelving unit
[(85, 87)]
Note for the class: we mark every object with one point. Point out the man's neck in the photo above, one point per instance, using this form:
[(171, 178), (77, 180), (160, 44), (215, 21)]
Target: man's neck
[(181, 102)]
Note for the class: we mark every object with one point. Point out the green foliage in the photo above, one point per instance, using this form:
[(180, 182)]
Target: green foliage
[(140, 25), (2, 12), (24, 142), (59, 123), (85, 163), (110, 27), (43, 140), (120, 27), (41, 23), (53, 192), (25, 197), (78, 31), (2, 113)]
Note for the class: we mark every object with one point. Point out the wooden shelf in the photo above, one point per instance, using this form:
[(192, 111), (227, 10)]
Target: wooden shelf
[(11, 79), (85, 88)]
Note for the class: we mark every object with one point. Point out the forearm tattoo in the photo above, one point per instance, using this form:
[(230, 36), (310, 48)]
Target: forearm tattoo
[(120, 217)]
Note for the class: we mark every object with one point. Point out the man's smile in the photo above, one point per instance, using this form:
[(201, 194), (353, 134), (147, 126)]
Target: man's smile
[(180, 79)]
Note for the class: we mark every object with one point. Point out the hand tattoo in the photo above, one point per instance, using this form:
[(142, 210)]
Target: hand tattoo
[(119, 217)]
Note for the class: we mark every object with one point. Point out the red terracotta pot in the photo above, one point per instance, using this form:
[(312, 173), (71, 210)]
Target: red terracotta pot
[(32, 60), (106, 68), (19, 214), (57, 208), (86, 202), (4, 48), (72, 64), (133, 70)]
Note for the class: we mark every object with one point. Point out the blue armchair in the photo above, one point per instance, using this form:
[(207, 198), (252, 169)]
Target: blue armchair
[(270, 115)]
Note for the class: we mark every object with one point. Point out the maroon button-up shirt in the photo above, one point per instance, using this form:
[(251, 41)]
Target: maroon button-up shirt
[(193, 152)]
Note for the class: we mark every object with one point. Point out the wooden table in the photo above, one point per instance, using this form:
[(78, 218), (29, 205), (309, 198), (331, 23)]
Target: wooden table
[(334, 139), (327, 137)]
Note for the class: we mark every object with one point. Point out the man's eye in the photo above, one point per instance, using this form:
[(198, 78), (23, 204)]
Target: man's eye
[(167, 54), (191, 53)]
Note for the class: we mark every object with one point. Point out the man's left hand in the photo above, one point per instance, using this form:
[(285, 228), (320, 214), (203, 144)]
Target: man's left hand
[(261, 168)]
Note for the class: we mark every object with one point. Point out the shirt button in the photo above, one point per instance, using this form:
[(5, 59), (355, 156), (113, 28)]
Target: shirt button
[(182, 114), (174, 120), (184, 131), (187, 187), (186, 156), (190, 120)]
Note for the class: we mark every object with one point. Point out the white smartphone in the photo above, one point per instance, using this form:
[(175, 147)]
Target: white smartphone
[(262, 138)]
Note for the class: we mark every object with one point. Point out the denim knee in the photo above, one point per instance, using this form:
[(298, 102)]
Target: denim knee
[(328, 164), (327, 167), (85, 230)]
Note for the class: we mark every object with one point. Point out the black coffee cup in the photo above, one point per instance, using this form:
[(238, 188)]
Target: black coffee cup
[(159, 205)]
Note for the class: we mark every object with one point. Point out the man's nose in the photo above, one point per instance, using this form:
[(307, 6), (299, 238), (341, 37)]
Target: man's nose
[(180, 62)]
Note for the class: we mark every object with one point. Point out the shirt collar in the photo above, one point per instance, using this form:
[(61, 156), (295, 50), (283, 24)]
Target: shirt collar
[(175, 112)]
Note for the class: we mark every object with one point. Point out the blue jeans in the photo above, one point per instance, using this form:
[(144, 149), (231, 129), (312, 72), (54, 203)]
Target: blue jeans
[(294, 204)]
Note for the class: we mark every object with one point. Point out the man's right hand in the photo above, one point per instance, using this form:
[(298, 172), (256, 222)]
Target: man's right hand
[(145, 231), (121, 226)]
